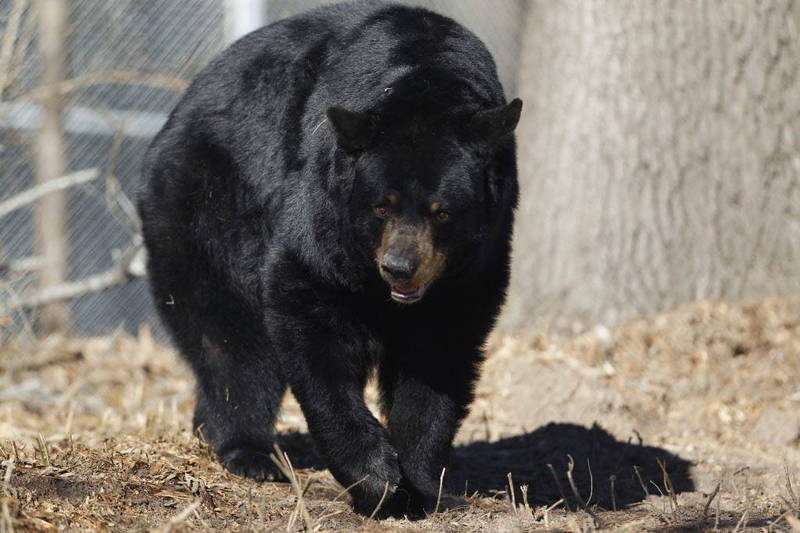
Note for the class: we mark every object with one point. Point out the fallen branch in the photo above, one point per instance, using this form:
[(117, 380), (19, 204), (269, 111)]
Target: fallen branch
[(127, 266), (34, 193)]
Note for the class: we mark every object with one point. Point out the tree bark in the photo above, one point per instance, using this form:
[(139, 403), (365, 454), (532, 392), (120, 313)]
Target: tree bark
[(659, 157), (50, 163)]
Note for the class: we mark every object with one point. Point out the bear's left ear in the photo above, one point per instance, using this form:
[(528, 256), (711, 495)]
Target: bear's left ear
[(492, 126), (354, 131)]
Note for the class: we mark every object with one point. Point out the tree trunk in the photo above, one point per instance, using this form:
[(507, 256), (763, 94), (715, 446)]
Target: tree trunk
[(659, 157), (50, 163)]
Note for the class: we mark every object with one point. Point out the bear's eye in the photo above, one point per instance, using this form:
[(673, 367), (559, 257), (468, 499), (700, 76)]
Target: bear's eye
[(381, 211), (441, 215)]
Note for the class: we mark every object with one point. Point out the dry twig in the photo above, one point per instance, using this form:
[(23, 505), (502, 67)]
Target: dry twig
[(558, 484), (380, 502), (179, 518), (439, 495), (711, 499), (585, 505), (284, 464), (511, 494), (6, 520), (34, 193)]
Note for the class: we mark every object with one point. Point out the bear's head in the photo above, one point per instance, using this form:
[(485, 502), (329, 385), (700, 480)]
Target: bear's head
[(426, 194)]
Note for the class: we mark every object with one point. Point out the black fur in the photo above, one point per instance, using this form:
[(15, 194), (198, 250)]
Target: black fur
[(258, 216)]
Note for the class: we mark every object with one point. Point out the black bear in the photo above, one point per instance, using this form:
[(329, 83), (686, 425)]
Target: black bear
[(333, 196)]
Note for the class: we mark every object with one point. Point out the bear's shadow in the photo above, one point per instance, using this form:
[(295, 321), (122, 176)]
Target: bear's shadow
[(606, 472)]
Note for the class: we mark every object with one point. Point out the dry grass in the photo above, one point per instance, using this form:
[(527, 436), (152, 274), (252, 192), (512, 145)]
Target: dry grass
[(698, 431)]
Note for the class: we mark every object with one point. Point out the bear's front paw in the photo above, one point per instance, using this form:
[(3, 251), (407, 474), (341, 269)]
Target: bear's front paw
[(374, 496), (251, 463), (377, 503), (416, 504)]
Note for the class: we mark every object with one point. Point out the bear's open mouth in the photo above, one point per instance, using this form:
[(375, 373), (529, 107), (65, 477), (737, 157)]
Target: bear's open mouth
[(407, 294)]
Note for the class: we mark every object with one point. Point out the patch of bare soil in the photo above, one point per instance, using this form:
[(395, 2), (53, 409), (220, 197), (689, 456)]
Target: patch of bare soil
[(687, 421)]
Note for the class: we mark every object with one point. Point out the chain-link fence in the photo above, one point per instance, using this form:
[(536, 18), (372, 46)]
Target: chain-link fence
[(125, 65)]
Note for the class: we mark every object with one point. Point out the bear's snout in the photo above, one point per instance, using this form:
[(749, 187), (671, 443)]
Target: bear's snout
[(408, 260), (399, 267)]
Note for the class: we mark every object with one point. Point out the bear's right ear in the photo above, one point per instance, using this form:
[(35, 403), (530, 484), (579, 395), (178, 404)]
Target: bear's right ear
[(494, 125), (354, 131)]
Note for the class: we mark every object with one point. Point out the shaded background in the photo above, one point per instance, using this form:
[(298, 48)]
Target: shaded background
[(658, 150)]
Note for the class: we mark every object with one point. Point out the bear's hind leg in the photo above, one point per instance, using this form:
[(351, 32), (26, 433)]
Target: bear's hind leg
[(238, 397)]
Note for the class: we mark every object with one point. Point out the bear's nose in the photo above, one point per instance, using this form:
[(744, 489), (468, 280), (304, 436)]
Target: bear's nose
[(398, 267)]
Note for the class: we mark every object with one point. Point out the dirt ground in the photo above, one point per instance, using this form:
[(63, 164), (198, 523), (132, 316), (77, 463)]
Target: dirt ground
[(687, 421)]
